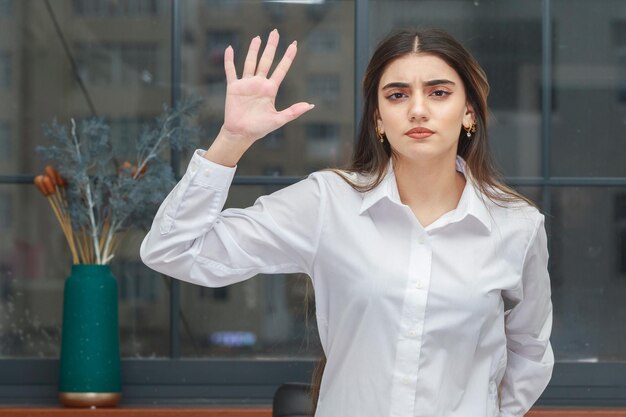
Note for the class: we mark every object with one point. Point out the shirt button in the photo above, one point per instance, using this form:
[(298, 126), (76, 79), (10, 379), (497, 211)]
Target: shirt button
[(421, 239), (406, 380), (194, 166), (418, 285), (412, 332), (207, 172)]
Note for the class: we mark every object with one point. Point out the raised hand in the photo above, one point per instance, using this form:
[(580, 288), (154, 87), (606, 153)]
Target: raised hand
[(250, 111)]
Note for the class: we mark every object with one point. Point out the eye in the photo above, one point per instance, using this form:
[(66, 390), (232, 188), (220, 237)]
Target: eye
[(440, 93), (396, 96)]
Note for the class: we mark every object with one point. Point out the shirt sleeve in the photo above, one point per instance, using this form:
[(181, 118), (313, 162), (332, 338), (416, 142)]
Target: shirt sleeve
[(528, 326), (193, 240)]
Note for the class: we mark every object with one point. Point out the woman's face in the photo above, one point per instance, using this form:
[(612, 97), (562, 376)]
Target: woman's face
[(421, 108)]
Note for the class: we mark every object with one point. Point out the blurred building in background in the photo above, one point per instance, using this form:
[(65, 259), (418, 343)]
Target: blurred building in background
[(563, 149)]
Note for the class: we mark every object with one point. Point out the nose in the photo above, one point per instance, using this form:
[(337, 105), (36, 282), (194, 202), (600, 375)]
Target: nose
[(418, 109)]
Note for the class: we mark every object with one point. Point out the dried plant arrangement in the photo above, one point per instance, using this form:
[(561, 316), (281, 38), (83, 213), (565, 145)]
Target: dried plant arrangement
[(95, 197)]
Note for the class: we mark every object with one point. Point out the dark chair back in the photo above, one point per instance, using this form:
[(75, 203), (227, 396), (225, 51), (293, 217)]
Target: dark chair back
[(292, 400)]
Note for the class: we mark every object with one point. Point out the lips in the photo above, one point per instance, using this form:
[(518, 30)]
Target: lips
[(419, 133)]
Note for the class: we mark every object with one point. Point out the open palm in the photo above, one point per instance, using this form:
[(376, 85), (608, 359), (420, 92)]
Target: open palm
[(250, 111)]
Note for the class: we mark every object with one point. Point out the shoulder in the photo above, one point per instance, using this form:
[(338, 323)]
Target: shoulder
[(514, 218), (341, 188), (339, 180), (319, 185)]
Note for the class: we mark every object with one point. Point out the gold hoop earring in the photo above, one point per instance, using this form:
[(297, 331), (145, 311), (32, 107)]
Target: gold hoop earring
[(470, 129), (381, 135)]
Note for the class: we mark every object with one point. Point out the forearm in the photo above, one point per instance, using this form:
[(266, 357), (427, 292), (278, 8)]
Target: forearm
[(188, 214), (528, 328), (524, 381)]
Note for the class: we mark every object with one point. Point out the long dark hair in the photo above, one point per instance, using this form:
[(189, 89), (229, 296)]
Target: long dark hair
[(371, 157)]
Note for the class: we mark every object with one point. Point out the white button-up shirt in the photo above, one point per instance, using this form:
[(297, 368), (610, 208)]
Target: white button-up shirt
[(448, 320)]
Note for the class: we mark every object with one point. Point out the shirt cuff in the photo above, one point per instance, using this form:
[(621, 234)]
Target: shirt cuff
[(209, 174)]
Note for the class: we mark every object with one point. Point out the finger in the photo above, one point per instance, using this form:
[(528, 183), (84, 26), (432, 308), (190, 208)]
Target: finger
[(283, 66), (293, 112), (229, 64), (253, 52), (268, 54)]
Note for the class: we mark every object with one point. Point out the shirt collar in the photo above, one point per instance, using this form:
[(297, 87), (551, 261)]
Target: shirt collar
[(472, 202), (386, 189)]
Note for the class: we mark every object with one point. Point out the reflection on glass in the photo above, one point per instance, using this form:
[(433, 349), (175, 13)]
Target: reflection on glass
[(34, 262), (31, 281), (144, 297), (323, 73), (588, 248), (505, 37), (124, 79), (6, 70), (589, 79), (111, 8), (267, 316)]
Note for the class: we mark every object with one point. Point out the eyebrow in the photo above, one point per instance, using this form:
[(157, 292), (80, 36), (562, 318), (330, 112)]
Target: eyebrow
[(429, 83)]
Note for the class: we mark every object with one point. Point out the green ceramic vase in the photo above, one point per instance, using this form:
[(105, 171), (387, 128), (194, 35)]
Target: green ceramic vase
[(89, 374)]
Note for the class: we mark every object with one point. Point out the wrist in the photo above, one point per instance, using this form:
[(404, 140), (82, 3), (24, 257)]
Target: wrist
[(227, 149), (237, 139)]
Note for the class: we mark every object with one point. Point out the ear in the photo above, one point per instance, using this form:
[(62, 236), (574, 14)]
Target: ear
[(469, 118), (378, 123)]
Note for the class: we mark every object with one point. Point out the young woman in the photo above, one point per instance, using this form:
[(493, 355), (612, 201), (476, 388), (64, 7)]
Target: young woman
[(431, 285)]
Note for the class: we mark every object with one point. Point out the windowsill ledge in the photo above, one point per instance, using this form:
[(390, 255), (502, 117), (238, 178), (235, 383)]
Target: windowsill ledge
[(245, 412), (136, 412)]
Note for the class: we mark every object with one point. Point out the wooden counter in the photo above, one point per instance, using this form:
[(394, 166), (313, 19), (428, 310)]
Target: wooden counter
[(245, 412)]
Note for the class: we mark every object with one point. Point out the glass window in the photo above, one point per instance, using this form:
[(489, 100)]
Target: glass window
[(222, 5), (6, 211), (274, 140), (119, 64), (217, 41), (110, 8), (588, 277), (261, 317), (6, 8), (123, 49), (141, 64), (6, 142), (505, 38), (589, 75), (324, 41), (275, 10), (34, 258), (31, 280), (134, 69), (619, 40), (6, 70), (143, 303), (33, 268), (322, 140), (324, 88), (269, 316), (124, 132), (329, 31), (585, 225)]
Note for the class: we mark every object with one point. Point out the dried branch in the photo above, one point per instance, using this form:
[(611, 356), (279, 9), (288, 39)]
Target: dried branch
[(96, 200)]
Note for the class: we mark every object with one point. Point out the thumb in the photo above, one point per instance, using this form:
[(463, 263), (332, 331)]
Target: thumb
[(293, 112)]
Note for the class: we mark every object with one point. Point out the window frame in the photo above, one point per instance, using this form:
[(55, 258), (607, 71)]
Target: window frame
[(173, 380), (253, 382)]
